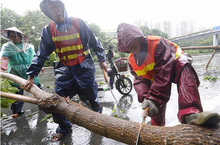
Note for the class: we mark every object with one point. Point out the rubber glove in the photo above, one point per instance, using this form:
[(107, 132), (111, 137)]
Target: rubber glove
[(152, 107)]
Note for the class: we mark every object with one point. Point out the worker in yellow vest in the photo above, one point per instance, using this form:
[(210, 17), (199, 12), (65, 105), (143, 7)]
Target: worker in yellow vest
[(156, 63)]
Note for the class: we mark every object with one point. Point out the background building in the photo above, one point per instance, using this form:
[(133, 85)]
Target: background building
[(173, 29)]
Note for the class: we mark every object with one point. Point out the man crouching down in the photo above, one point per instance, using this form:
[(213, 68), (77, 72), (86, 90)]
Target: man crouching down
[(155, 63)]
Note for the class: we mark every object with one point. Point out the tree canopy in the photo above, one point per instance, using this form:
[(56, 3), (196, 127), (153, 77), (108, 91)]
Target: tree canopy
[(100, 35), (31, 23), (155, 32)]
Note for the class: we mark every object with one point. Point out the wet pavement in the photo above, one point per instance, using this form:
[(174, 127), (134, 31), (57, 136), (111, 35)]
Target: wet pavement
[(29, 129)]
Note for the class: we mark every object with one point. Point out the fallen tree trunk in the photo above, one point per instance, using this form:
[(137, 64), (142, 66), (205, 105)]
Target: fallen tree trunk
[(123, 130)]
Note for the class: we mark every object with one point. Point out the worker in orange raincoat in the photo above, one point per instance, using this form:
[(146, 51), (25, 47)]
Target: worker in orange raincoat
[(156, 63)]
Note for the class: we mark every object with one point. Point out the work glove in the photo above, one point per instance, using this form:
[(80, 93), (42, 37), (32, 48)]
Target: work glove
[(152, 107)]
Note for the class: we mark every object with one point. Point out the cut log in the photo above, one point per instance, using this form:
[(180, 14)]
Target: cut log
[(123, 130)]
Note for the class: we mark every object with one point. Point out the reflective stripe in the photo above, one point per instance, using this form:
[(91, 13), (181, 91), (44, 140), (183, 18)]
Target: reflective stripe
[(178, 52), (86, 52), (69, 48), (74, 56), (150, 67), (144, 71), (66, 37)]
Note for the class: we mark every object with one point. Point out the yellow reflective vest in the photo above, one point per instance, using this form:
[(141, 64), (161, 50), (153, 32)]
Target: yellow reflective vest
[(145, 70)]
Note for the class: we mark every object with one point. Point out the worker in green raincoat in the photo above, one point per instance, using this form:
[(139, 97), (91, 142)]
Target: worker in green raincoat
[(19, 55)]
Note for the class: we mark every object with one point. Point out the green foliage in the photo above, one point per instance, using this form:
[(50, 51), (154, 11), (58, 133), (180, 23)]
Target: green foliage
[(155, 32), (122, 111), (192, 52), (100, 83), (204, 41), (52, 57), (30, 24), (145, 30), (95, 29), (9, 18), (113, 110), (46, 117), (6, 87), (100, 35), (210, 78), (116, 116), (198, 51), (30, 115), (95, 58)]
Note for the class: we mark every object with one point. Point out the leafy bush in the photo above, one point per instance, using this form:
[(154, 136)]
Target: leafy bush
[(8, 88)]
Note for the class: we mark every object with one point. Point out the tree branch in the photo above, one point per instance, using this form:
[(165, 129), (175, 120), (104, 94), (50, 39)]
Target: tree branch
[(36, 91), (19, 97)]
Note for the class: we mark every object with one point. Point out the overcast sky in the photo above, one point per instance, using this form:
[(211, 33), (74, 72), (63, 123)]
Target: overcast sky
[(108, 14)]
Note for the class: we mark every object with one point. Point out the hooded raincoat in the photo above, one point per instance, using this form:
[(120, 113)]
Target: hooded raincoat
[(167, 70), (79, 72), (69, 79), (19, 57)]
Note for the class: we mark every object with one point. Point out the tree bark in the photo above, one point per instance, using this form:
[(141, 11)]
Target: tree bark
[(123, 130), (22, 98)]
